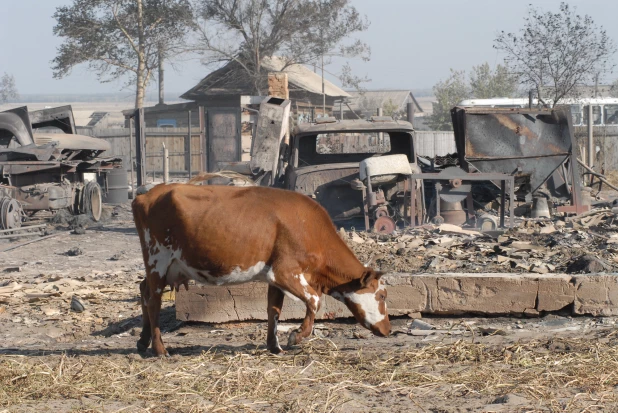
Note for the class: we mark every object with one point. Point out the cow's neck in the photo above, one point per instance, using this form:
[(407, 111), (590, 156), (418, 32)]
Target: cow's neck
[(342, 266)]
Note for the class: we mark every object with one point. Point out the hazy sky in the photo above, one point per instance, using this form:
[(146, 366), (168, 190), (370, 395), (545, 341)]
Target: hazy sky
[(414, 43)]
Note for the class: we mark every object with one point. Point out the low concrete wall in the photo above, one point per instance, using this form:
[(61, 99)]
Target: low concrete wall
[(486, 294)]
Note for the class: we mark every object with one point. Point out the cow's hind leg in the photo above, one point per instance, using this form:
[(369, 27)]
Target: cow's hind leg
[(145, 337), (154, 310), (275, 303)]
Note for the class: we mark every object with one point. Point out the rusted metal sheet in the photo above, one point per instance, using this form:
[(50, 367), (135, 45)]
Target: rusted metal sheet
[(529, 143), (271, 129)]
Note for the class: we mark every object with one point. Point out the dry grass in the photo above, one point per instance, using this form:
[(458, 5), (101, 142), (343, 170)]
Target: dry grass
[(612, 177), (560, 375)]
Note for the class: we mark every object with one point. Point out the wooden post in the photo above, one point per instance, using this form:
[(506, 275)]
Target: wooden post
[(188, 148)]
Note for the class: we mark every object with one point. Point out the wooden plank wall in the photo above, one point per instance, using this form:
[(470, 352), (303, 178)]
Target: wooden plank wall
[(173, 138)]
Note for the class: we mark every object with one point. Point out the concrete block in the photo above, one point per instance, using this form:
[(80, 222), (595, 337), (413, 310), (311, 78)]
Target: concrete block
[(555, 292), (489, 294), (219, 304), (596, 295)]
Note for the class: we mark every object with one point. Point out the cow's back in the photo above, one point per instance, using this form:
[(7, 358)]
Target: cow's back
[(219, 228)]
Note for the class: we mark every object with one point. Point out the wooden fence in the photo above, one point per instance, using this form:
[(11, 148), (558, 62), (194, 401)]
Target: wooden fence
[(173, 138)]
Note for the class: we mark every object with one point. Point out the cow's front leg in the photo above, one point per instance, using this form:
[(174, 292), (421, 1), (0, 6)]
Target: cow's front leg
[(275, 303), (312, 300)]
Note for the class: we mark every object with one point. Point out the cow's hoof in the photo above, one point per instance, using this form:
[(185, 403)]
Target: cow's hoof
[(141, 347), (292, 340), (276, 350)]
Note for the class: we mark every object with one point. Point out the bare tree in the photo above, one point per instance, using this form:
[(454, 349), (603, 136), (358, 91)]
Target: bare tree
[(554, 52), (246, 32), (117, 38), (7, 88)]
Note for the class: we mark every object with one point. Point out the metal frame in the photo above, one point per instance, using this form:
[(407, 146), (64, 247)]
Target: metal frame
[(503, 178)]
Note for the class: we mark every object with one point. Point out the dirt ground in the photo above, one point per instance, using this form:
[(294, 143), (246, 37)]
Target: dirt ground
[(55, 359)]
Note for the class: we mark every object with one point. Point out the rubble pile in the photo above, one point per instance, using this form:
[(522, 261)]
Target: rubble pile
[(585, 244)]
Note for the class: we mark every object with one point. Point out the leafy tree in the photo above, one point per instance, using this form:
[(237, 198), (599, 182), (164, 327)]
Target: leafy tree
[(120, 37), (245, 32), (7, 88), (448, 93), (556, 51), (486, 83)]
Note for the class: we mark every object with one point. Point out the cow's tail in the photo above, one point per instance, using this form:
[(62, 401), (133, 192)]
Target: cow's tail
[(234, 177)]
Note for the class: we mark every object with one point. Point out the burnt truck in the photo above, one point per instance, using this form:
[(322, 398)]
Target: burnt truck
[(355, 169), (45, 165)]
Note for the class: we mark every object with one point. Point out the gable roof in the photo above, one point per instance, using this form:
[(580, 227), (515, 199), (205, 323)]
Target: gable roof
[(231, 80), (368, 101)]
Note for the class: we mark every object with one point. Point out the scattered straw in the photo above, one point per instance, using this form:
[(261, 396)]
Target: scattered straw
[(559, 375)]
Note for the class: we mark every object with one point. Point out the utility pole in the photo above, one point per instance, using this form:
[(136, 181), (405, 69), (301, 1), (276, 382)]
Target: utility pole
[(161, 76), (323, 90)]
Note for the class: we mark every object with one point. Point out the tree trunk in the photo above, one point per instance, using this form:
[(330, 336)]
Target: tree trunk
[(141, 57)]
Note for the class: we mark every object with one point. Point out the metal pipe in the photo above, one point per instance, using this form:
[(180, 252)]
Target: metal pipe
[(166, 165), (590, 138), (2, 231)]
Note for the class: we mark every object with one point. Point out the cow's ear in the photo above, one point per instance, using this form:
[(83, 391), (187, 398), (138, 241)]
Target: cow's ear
[(370, 275)]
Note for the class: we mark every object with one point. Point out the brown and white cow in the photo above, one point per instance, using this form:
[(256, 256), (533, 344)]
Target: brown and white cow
[(226, 235)]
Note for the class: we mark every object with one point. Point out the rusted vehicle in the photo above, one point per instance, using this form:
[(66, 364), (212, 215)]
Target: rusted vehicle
[(355, 169), (48, 171)]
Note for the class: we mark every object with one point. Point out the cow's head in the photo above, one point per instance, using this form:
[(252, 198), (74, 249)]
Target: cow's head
[(366, 299)]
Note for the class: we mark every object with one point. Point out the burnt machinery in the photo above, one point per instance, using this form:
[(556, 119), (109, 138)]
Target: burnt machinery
[(534, 145), (48, 171), (377, 175)]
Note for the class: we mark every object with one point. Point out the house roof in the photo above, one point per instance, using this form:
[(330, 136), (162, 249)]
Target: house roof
[(368, 101), (231, 80)]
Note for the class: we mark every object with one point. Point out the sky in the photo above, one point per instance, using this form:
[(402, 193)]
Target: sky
[(414, 43)]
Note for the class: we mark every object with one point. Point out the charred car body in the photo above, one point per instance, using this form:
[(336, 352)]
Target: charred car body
[(355, 168), (48, 171)]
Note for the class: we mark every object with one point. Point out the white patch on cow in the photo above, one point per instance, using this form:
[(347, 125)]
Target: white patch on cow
[(158, 291), (270, 276), (308, 296), (316, 301), (369, 304)]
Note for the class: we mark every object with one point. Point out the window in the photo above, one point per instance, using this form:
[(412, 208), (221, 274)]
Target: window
[(352, 147), (596, 115), (576, 113), (611, 114), (357, 142)]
